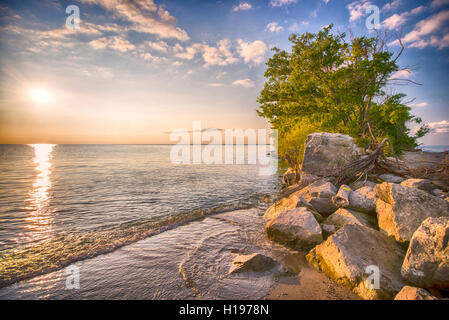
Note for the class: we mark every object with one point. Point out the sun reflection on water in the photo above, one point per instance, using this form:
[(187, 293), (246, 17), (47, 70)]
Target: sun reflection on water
[(40, 220)]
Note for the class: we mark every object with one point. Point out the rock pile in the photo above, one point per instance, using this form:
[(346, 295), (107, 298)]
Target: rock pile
[(384, 239)]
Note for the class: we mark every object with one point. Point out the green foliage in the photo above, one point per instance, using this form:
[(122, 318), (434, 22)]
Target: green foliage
[(327, 83)]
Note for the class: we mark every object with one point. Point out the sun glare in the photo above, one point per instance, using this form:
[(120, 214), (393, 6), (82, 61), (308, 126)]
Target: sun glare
[(40, 95)]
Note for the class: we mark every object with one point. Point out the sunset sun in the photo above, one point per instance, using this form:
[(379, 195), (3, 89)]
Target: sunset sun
[(40, 95)]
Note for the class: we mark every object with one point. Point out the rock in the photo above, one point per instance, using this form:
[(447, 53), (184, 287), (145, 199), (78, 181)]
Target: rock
[(422, 184), (345, 216), (341, 199), (426, 263), (438, 193), (296, 228), (361, 184), (351, 254), (319, 194), (401, 210), (325, 152), (280, 206), (391, 178), (328, 230), (363, 200), (441, 185), (303, 203), (413, 293), (255, 262)]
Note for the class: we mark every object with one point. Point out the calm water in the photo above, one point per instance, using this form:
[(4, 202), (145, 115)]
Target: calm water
[(64, 203)]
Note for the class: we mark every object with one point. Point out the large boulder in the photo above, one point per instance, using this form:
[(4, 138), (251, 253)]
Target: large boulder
[(422, 184), (255, 262), (401, 210), (413, 293), (319, 194), (363, 200), (325, 152), (296, 228), (426, 263), (344, 216), (280, 206), (350, 256)]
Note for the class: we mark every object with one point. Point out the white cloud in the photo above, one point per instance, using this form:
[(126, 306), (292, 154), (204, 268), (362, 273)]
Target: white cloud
[(246, 83), (220, 55), (421, 36), (439, 127), (357, 9), (115, 43), (420, 105), (158, 46), (439, 3), (244, 6), (145, 16), (392, 5), (281, 3), (401, 74), (274, 27), (397, 20), (252, 52)]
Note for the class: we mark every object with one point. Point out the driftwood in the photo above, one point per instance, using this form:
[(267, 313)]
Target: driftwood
[(377, 163), (341, 199)]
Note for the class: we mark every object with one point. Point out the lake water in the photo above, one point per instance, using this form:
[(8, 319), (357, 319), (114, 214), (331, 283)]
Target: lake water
[(65, 203)]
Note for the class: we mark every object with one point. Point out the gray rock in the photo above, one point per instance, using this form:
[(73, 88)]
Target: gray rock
[(391, 178), (438, 193), (325, 152), (350, 256), (422, 184), (280, 206), (426, 263), (344, 216), (328, 230), (319, 194), (363, 200), (296, 228), (255, 262), (413, 293), (401, 210), (361, 184)]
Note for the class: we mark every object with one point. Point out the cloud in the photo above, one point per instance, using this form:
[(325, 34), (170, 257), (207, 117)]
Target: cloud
[(421, 36), (244, 6), (215, 84), (401, 74), (281, 3), (357, 9), (274, 27), (115, 43), (439, 127), (145, 16), (252, 52), (246, 83), (439, 3), (420, 105), (158, 46), (392, 5), (397, 20), (220, 55)]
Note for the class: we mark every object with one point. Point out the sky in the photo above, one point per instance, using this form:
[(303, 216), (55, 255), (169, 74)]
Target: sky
[(136, 69)]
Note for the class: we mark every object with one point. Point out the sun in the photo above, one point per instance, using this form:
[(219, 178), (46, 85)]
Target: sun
[(40, 95)]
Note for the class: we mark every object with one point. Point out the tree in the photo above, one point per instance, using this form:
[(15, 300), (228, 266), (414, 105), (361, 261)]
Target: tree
[(330, 84)]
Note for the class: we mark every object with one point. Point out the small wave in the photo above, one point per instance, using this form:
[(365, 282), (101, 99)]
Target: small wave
[(64, 249)]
